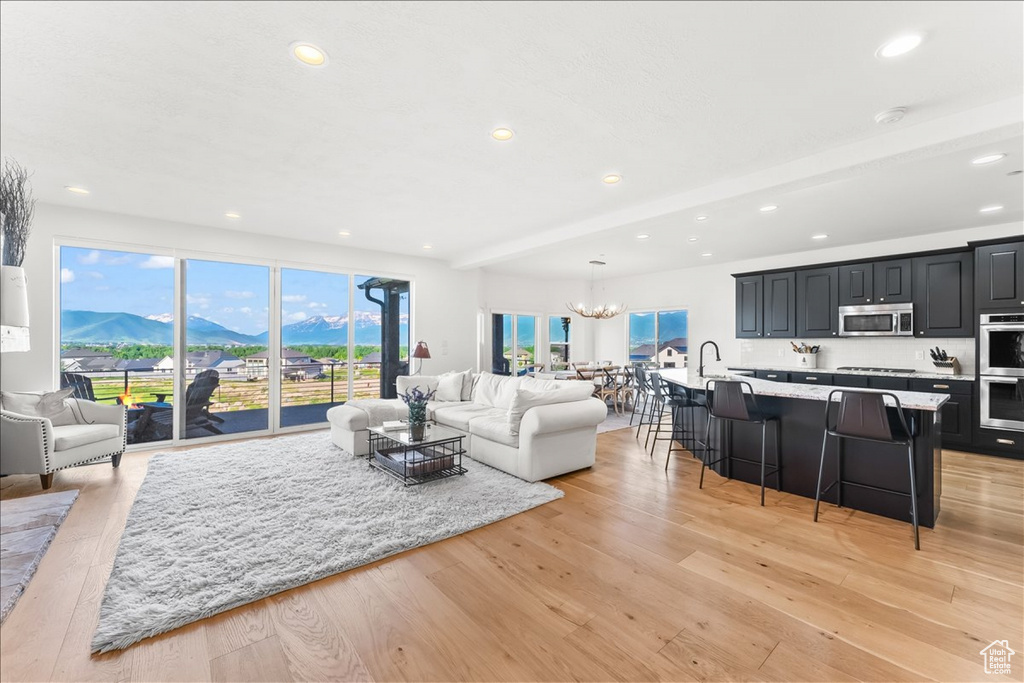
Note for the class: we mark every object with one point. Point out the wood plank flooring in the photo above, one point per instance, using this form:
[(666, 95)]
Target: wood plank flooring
[(634, 575)]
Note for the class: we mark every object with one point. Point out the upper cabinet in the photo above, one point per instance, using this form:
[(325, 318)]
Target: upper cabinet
[(817, 302), (780, 305), (879, 282), (750, 306), (893, 281), (855, 284), (944, 295), (1000, 275)]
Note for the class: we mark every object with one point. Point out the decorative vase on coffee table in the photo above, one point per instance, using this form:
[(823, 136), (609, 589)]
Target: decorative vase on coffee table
[(417, 399)]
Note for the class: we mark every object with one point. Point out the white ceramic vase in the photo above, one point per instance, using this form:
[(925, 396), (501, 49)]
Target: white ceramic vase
[(13, 296)]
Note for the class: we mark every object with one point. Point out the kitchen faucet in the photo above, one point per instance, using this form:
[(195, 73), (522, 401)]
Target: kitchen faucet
[(718, 357)]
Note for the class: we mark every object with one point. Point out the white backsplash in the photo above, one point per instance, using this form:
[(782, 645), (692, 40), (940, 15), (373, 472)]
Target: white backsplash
[(885, 352)]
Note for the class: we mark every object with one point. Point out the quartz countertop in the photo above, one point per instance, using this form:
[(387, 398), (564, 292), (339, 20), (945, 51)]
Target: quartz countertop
[(835, 371), (912, 400)]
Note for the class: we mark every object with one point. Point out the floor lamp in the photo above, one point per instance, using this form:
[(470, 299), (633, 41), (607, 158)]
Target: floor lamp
[(421, 351)]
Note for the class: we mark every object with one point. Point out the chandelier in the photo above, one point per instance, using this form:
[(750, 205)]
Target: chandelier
[(597, 311)]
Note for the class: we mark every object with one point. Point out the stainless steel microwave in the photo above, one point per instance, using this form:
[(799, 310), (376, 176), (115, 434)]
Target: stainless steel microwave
[(882, 320)]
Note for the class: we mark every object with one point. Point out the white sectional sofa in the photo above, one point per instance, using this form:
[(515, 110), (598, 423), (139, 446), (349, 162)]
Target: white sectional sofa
[(533, 429)]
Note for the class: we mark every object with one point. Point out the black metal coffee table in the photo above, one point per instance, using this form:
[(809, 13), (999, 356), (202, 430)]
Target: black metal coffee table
[(437, 455)]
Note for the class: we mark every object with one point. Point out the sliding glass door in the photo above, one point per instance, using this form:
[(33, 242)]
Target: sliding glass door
[(117, 335), (513, 343), (227, 366), (314, 344), (248, 348)]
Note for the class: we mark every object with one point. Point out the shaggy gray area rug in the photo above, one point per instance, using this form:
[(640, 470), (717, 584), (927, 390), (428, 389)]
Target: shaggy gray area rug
[(222, 526), (27, 525)]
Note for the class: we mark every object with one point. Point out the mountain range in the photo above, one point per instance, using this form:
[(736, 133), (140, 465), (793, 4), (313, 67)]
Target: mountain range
[(92, 327)]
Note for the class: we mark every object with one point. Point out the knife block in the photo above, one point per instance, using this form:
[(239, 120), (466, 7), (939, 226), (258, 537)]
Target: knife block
[(947, 367)]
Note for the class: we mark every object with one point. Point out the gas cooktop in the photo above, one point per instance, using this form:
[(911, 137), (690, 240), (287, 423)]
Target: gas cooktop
[(902, 371)]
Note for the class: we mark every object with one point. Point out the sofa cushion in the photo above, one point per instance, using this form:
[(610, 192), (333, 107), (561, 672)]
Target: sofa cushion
[(458, 415), (450, 385), (494, 428), (426, 383), (50, 405), (368, 412), (526, 399), (67, 437), (495, 391)]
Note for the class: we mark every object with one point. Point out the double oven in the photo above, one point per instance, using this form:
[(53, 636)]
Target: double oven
[(1001, 371)]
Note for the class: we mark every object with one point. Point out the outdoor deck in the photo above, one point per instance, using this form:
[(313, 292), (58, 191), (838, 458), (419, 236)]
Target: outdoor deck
[(256, 419)]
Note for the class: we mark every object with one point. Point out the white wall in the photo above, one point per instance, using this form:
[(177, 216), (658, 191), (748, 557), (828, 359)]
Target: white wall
[(709, 295), (444, 300)]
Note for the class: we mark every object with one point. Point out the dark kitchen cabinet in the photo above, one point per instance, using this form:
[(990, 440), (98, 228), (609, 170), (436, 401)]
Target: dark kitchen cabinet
[(855, 381), (750, 306), (888, 383), (810, 378), (780, 305), (957, 424), (772, 375), (892, 281), (944, 295), (817, 302), (855, 284), (1000, 275)]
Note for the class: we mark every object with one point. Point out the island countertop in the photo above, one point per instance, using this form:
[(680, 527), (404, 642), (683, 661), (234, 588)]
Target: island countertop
[(836, 371), (911, 400)]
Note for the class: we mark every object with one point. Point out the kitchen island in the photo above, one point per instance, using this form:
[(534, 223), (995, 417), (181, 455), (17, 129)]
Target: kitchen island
[(867, 467)]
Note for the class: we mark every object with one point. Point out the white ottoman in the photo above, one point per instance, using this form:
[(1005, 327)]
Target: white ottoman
[(350, 423)]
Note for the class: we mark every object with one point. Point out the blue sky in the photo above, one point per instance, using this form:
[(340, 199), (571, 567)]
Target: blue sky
[(236, 296)]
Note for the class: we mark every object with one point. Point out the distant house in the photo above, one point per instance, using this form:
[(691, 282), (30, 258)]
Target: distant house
[(137, 365), (670, 354), (294, 365), (369, 360), (221, 361), (85, 360)]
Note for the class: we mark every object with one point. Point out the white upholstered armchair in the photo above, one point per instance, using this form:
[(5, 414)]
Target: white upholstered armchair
[(30, 444)]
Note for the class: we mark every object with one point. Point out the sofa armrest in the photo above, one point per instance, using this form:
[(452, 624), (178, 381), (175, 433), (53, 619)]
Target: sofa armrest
[(561, 417), (98, 413), (25, 442)]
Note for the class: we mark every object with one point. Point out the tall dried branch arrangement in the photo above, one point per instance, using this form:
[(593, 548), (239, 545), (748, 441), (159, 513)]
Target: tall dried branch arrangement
[(17, 206)]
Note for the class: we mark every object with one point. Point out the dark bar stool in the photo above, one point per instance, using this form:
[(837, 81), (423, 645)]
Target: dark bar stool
[(677, 401), (651, 400), (726, 400), (864, 416)]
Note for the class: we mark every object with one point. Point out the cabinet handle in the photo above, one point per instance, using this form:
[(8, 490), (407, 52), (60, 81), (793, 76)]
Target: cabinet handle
[(772, 376), (881, 298), (811, 379), (1006, 442), (940, 386), (769, 334), (869, 299)]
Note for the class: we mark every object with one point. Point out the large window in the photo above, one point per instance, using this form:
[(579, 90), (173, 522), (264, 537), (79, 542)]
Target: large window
[(659, 337), (314, 344), (226, 368), (513, 343), (558, 341), (260, 347), (117, 333)]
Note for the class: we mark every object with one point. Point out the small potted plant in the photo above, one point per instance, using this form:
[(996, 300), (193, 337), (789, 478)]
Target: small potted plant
[(417, 399)]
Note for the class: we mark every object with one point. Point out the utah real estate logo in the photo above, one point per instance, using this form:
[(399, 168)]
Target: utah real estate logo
[(997, 657)]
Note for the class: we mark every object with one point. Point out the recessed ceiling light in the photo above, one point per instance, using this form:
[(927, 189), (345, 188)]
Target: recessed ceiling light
[(502, 134), (233, 215), (988, 159), (692, 239), (899, 46), (701, 218), (611, 178), (643, 236), (706, 254), (76, 190), (991, 209), (769, 208), (819, 237), (890, 115), (344, 233), (428, 246), (310, 55)]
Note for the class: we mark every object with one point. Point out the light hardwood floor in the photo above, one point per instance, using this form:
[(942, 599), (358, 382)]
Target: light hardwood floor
[(634, 575)]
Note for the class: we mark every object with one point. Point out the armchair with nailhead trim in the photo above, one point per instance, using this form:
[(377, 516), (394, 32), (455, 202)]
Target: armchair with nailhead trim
[(34, 445)]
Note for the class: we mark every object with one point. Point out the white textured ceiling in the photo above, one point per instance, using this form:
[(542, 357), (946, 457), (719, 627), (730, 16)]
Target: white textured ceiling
[(185, 110)]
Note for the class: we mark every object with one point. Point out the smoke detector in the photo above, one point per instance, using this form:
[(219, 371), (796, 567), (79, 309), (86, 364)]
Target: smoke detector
[(891, 115)]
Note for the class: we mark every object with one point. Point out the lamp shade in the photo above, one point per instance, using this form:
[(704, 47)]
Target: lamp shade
[(421, 350)]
